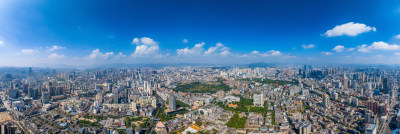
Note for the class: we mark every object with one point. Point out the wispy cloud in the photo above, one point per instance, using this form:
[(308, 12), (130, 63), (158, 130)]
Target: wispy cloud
[(397, 36), (54, 47), (185, 41), (308, 46), (28, 51), (380, 45), (55, 56), (326, 53)]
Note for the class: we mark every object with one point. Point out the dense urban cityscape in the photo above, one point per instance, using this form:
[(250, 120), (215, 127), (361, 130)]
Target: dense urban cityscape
[(199, 67), (201, 99)]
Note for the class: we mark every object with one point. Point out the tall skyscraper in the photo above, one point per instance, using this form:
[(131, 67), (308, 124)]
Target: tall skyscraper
[(335, 96), (373, 106), (154, 102), (45, 97), (386, 84), (345, 83), (325, 100), (126, 95), (115, 93), (35, 94), (30, 92), (305, 129), (172, 102), (99, 98)]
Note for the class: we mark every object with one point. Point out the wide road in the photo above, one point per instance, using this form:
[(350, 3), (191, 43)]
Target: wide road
[(155, 118)]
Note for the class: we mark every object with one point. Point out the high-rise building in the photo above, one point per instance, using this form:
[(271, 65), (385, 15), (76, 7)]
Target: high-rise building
[(362, 92), (45, 97), (59, 91), (133, 106), (335, 96), (305, 129), (172, 102), (35, 94), (325, 100), (371, 129), (52, 91), (382, 109), (8, 129), (154, 102), (373, 106), (258, 99), (99, 98), (345, 84), (355, 102), (110, 87), (350, 101), (126, 95), (30, 92), (13, 93), (115, 93)]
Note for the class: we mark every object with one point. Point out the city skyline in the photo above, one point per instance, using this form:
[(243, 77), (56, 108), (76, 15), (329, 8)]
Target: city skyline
[(46, 33)]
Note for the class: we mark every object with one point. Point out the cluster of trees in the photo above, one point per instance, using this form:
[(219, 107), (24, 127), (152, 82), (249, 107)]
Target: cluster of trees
[(145, 123), (236, 121), (244, 105), (269, 81), (130, 121), (181, 104), (164, 117), (198, 87), (121, 131)]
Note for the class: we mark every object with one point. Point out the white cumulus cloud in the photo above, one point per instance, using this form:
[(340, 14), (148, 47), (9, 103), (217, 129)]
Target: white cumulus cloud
[(196, 50), (254, 52), (380, 45), (349, 29), (338, 48), (219, 47), (145, 47), (97, 54)]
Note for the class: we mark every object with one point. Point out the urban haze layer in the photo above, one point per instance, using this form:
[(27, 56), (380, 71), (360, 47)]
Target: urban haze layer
[(275, 99)]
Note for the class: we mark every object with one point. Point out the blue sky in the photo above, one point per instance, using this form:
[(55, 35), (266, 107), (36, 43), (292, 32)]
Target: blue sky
[(74, 32)]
